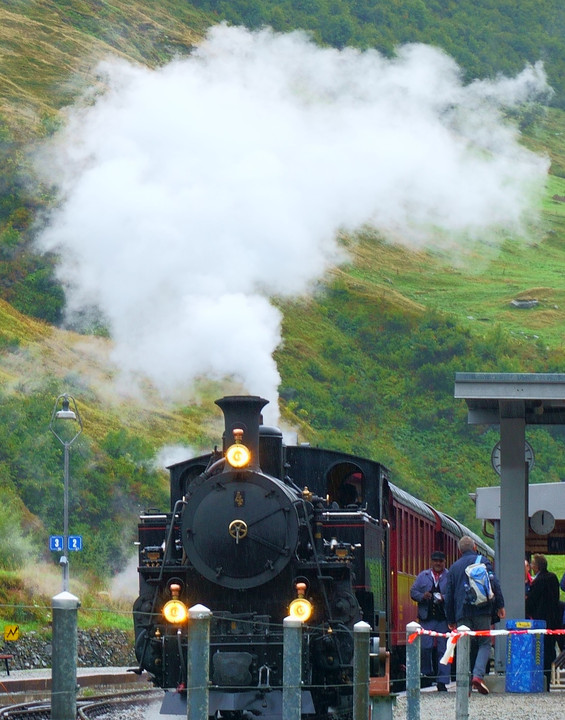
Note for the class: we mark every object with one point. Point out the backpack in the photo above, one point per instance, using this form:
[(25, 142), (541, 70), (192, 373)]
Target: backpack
[(478, 588)]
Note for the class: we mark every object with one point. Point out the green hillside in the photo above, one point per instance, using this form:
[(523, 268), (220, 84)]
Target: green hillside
[(485, 37), (50, 47), (368, 361)]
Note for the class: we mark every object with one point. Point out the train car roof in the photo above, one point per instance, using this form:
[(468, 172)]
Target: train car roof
[(463, 530), (331, 452), (448, 523), (199, 459), (412, 502)]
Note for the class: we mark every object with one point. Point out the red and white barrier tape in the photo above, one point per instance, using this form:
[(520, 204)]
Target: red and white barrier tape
[(453, 637)]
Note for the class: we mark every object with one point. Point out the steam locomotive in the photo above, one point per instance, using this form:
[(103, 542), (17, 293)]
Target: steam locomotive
[(262, 530)]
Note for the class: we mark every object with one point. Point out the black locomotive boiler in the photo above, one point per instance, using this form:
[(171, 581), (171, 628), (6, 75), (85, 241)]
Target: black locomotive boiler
[(262, 530)]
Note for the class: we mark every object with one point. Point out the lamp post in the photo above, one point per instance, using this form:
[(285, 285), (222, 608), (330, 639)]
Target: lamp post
[(65, 606), (65, 413)]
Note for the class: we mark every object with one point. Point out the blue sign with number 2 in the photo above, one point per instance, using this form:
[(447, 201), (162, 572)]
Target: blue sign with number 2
[(75, 542)]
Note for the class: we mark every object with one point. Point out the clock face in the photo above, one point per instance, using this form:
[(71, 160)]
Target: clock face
[(528, 457), (542, 522)]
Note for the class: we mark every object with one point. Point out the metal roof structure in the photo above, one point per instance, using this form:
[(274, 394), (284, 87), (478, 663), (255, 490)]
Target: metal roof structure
[(548, 498), (539, 397), (513, 401)]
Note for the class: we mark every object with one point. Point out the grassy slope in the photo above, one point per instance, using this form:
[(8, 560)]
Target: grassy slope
[(50, 48), (520, 270), (477, 295), (480, 290), (37, 353), (49, 51)]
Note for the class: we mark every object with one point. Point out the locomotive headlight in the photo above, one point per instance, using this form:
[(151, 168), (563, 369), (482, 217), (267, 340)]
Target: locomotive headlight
[(175, 611), (238, 455), (300, 609)]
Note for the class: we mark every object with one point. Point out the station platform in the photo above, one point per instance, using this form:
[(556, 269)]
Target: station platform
[(38, 682)]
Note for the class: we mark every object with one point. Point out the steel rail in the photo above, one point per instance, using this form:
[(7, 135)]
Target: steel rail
[(87, 708)]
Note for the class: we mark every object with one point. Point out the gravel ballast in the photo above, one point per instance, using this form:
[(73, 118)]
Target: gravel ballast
[(496, 706)]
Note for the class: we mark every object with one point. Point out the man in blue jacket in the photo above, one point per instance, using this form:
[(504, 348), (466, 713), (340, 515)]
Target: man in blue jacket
[(428, 591), (476, 617)]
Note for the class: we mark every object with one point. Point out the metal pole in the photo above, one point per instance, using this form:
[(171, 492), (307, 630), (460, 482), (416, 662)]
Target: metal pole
[(61, 415), (64, 561), (513, 509), (462, 675), (413, 664), (64, 605), (499, 642), (198, 662), (64, 657), (292, 669), (361, 631)]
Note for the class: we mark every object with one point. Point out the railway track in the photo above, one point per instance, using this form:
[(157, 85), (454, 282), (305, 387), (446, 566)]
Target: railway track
[(113, 704), (30, 711)]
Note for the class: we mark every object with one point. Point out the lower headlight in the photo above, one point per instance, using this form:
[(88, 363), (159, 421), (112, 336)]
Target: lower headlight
[(300, 609), (175, 612)]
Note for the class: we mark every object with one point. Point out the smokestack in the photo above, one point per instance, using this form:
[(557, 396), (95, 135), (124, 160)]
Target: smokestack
[(243, 412)]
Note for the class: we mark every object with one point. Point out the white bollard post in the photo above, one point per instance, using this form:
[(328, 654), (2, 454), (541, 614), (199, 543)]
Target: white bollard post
[(413, 665), (462, 675), (361, 636), (292, 669), (64, 657), (198, 662)]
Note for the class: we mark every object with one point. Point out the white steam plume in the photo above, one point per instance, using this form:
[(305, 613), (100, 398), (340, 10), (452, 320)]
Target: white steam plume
[(193, 193)]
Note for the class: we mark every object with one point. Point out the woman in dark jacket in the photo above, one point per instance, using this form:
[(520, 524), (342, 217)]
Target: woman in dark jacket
[(542, 603)]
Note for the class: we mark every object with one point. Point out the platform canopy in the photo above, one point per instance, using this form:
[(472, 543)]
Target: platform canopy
[(546, 510), (512, 401), (539, 398)]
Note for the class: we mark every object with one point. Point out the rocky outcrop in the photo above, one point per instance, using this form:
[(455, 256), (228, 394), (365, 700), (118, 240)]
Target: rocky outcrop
[(95, 649)]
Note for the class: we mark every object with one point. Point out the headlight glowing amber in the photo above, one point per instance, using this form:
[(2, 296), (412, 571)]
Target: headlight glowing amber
[(238, 455), (175, 612), (300, 609)]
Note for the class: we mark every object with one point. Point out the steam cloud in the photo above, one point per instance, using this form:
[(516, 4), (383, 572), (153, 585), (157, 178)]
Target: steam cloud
[(194, 193)]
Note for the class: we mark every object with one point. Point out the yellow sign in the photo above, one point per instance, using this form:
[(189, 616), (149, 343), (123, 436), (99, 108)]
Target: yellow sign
[(11, 632)]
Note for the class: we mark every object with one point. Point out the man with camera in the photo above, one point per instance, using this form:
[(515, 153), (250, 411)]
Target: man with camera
[(428, 591)]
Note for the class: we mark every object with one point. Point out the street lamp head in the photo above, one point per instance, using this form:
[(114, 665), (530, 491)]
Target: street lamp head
[(65, 413), (65, 402)]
